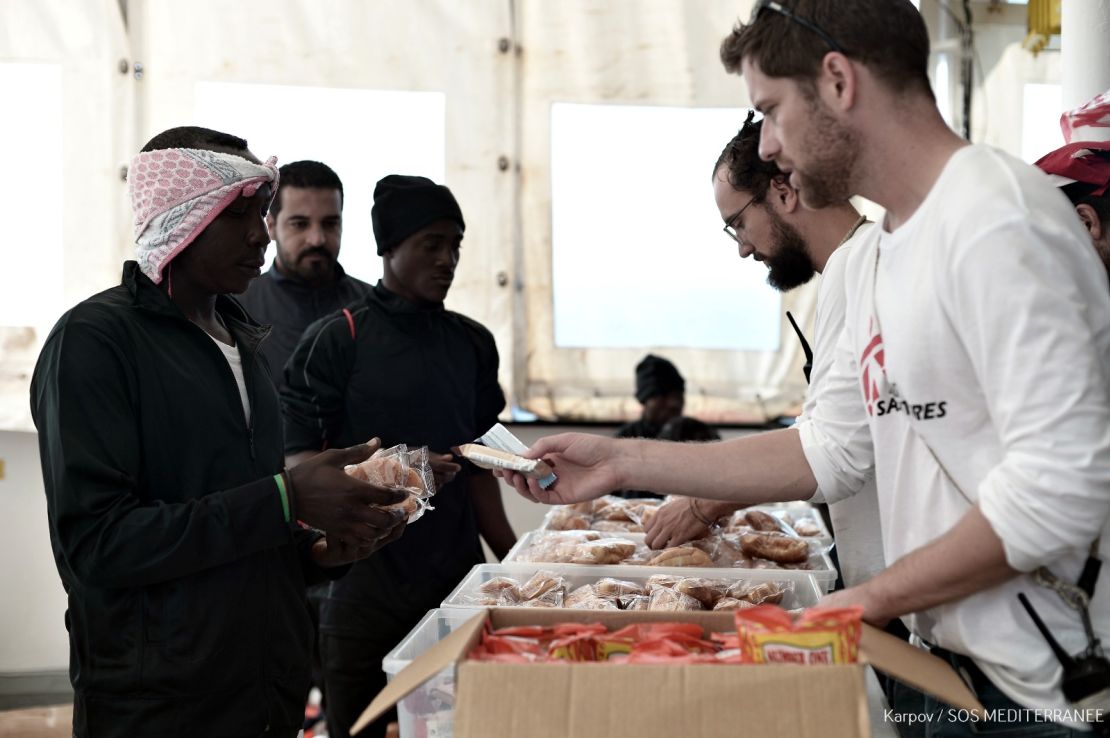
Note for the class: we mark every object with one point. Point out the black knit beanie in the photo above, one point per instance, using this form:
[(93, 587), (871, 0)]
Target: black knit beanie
[(404, 204), (657, 376)]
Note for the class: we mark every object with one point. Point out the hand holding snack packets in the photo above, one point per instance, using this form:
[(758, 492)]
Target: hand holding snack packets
[(400, 468)]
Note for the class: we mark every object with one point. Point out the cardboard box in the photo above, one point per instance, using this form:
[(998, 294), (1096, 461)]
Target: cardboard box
[(646, 701)]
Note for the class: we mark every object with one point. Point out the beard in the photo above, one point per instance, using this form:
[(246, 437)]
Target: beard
[(791, 265), (314, 272), (826, 179)]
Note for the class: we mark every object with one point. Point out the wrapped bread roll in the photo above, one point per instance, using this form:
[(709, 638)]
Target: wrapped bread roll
[(563, 518), (634, 602), (591, 601), (603, 552), (662, 580), (540, 583), (495, 585), (579, 595), (385, 471), (681, 556), (731, 603), (615, 587), (617, 526), (762, 521), (775, 547), (807, 528), (705, 591), (668, 600)]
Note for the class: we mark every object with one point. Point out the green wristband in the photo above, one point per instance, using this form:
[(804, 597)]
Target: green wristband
[(280, 480)]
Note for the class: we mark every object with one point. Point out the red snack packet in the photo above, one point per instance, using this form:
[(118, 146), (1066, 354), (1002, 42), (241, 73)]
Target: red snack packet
[(768, 634)]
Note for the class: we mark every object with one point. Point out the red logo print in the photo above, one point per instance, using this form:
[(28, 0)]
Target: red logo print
[(872, 367)]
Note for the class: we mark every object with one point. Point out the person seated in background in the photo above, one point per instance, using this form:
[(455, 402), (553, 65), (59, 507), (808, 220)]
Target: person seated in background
[(662, 392), (172, 519), (1081, 169), (684, 428), (397, 361)]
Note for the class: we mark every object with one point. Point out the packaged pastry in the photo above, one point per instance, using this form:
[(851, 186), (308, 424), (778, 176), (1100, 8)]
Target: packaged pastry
[(681, 556), (775, 547), (398, 467), (492, 458)]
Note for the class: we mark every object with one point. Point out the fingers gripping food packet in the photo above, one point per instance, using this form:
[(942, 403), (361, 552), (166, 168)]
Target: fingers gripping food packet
[(399, 467), (768, 634), (492, 458)]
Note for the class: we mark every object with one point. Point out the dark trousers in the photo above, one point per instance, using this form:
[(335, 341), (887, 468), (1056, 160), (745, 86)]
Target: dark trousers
[(353, 676)]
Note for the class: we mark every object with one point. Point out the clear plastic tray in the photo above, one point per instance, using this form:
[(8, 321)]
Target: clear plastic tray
[(805, 593), (820, 566), (798, 511), (429, 710)]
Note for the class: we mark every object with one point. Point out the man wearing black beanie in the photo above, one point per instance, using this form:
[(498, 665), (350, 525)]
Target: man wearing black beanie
[(399, 366), (662, 392)]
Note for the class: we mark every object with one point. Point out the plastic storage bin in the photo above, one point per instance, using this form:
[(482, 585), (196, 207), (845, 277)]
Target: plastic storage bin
[(806, 591), (428, 712), (820, 566)]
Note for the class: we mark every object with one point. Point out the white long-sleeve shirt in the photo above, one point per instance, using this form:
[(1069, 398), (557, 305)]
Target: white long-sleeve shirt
[(980, 329), (855, 519)]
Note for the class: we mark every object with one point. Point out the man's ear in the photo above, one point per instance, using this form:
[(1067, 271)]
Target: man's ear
[(837, 81), (1090, 219), (785, 197), (271, 226)]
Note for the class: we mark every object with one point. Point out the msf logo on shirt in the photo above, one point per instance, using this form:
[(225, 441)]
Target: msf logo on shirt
[(880, 395), (872, 368)]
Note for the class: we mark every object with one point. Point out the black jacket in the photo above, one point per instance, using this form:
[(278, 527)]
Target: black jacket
[(415, 374), (186, 612), (290, 306)]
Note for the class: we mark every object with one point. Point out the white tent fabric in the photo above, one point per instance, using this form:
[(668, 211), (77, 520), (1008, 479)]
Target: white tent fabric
[(500, 65)]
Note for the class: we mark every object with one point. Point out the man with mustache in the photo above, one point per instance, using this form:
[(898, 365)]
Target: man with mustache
[(765, 217), (306, 281), (419, 374)]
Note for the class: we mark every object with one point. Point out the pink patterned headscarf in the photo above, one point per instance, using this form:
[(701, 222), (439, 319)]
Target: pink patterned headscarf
[(176, 193)]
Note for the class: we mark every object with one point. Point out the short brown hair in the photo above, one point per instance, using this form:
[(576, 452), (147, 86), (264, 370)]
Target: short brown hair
[(888, 36)]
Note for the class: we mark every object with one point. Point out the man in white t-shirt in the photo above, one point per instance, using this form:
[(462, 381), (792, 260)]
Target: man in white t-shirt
[(970, 379), (765, 218)]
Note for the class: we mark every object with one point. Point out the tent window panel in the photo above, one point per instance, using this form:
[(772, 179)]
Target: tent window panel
[(639, 257), (362, 134), (31, 191), (1040, 120)]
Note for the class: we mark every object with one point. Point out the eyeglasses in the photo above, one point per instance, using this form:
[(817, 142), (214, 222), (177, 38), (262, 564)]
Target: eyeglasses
[(730, 224), (778, 8)]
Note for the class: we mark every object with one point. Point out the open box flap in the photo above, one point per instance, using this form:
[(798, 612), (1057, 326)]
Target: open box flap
[(917, 668), (424, 667)]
